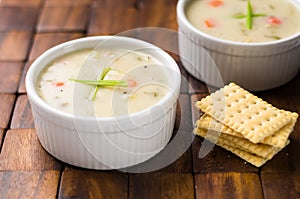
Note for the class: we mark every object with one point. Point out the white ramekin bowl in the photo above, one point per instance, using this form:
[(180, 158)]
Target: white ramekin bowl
[(104, 142), (254, 66)]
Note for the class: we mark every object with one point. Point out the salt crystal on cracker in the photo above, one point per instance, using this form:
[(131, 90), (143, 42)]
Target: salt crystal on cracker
[(243, 112)]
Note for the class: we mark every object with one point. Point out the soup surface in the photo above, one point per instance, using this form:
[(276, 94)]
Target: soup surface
[(243, 21), (143, 77)]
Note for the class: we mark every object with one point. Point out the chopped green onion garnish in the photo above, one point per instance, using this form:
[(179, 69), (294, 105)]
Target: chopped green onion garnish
[(249, 16), (102, 76), (102, 83)]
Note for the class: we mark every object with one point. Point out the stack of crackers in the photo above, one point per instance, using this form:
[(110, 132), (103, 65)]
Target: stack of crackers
[(244, 124)]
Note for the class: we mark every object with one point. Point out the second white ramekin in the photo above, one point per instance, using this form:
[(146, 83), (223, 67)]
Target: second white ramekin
[(254, 66)]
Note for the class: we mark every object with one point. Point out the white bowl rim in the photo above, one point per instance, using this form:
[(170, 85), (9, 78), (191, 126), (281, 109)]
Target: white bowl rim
[(33, 95), (180, 9)]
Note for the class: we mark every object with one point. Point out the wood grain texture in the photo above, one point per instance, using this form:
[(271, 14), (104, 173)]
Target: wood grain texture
[(93, 184), (148, 16), (6, 106), (117, 21), (29, 184), (64, 18), (10, 76), (22, 87), (184, 87), (176, 157), (22, 151), (20, 3), (66, 2), (197, 86), (161, 185), (217, 159), (1, 137), (18, 18), (44, 41), (184, 117), (109, 4), (228, 185), (12, 40), (22, 116), (281, 184)]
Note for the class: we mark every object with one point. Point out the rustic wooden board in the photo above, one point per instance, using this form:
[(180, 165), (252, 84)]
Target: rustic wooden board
[(184, 117), (14, 45), (28, 28), (44, 41), (6, 106), (118, 21), (228, 185), (66, 2), (22, 87), (18, 18), (281, 184), (21, 151), (93, 184), (161, 185), (10, 76), (22, 117), (64, 18), (29, 184), (21, 3)]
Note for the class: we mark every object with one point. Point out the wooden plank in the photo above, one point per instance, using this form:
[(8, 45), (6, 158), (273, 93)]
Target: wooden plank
[(10, 76), (93, 184), (109, 4), (228, 185), (6, 106), (1, 136), (161, 185), (279, 185), (18, 18), (184, 117), (20, 3), (64, 18), (44, 41), (156, 3), (29, 184), (163, 16), (117, 20), (288, 158), (197, 86), (176, 157), (67, 2), (22, 117), (22, 87), (184, 87), (22, 151), (12, 40), (217, 159)]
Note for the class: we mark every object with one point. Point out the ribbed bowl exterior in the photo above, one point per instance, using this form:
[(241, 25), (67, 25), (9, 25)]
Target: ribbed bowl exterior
[(255, 67), (62, 139)]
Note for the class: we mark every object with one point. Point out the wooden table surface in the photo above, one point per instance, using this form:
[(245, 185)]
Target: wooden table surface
[(29, 27)]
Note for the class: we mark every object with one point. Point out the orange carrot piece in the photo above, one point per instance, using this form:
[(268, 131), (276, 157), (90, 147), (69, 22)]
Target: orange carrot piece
[(59, 84), (216, 3), (131, 83), (274, 20), (209, 23)]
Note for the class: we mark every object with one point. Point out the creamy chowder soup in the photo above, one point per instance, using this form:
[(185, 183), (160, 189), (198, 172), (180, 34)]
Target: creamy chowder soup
[(245, 21), (137, 80)]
